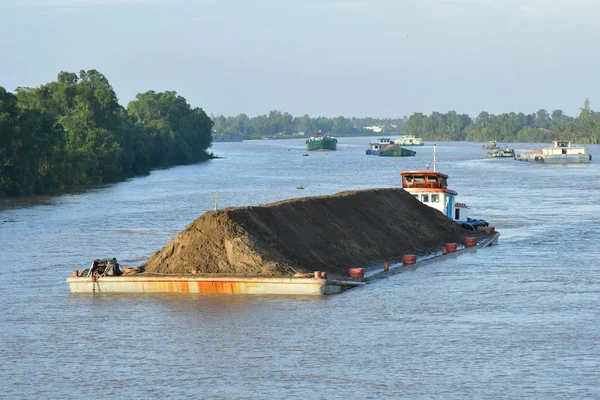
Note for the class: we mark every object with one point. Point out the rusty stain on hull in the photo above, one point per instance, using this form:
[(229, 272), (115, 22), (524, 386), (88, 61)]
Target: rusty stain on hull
[(234, 285), (229, 285)]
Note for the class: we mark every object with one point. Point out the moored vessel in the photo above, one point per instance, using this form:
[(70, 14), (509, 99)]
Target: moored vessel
[(321, 142)]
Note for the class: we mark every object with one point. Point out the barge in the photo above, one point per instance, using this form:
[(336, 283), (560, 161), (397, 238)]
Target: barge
[(317, 285), (387, 148), (561, 152), (503, 152), (153, 283), (234, 250), (320, 141)]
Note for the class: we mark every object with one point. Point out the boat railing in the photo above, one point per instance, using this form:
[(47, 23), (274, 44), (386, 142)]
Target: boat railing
[(421, 185)]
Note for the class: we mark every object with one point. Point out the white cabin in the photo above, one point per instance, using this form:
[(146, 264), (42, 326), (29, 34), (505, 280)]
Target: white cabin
[(382, 142), (431, 188), (563, 148), (409, 140)]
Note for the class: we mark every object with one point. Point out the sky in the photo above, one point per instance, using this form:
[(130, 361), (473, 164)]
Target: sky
[(352, 58)]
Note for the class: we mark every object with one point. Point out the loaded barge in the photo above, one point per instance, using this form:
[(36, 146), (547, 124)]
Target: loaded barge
[(155, 283), (387, 148), (237, 255), (303, 284), (321, 141), (561, 152)]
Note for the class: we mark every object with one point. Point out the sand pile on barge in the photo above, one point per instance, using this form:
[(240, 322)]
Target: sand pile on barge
[(325, 233)]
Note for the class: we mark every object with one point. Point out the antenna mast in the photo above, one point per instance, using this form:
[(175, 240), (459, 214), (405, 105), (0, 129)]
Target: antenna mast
[(217, 201), (434, 159)]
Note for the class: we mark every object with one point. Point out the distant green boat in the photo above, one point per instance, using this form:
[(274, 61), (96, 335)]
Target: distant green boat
[(321, 142), (396, 151), (385, 147)]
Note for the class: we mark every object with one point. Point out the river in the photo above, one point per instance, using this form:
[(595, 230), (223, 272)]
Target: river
[(516, 320)]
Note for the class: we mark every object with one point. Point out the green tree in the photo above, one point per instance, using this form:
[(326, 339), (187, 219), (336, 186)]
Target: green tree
[(178, 133)]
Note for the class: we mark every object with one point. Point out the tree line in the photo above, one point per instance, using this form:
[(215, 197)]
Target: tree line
[(278, 124), (73, 132), (537, 127)]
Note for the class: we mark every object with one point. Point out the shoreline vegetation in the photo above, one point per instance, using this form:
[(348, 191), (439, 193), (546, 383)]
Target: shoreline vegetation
[(538, 127), (73, 133)]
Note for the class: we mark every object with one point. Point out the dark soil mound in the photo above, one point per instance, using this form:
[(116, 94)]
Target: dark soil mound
[(326, 233)]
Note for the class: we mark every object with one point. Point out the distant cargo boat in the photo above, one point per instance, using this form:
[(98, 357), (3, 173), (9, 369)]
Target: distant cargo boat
[(227, 138), (491, 145), (561, 152), (501, 152), (409, 140), (385, 147), (321, 142)]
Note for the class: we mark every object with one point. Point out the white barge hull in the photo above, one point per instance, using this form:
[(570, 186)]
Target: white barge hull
[(231, 285)]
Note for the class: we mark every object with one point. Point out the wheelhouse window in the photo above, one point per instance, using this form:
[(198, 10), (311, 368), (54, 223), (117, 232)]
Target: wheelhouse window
[(435, 198), (425, 198)]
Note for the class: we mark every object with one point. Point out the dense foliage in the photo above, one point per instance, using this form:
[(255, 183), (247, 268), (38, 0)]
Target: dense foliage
[(73, 132), (512, 127)]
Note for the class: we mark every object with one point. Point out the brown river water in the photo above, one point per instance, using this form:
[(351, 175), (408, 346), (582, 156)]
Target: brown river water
[(516, 320)]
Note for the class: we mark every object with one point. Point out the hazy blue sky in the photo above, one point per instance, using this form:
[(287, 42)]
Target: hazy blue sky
[(384, 58)]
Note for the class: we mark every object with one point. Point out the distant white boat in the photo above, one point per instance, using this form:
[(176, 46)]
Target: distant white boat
[(409, 140), (561, 152)]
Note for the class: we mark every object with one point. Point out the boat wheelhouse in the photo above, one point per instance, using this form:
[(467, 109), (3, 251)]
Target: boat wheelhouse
[(431, 188)]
